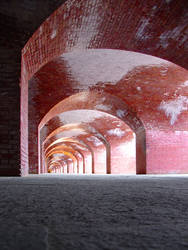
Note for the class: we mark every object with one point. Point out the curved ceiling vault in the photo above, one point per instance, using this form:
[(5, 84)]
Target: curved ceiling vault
[(109, 138), (85, 57), (84, 163), (61, 148), (82, 136)]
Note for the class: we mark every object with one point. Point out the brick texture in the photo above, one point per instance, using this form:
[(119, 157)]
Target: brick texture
[(157, 28), (18, 21)]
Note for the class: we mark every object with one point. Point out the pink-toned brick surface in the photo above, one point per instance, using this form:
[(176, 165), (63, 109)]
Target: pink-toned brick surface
[(154, 91), (108, 131), (167, 152)]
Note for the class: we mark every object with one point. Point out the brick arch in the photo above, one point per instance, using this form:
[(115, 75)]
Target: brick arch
[(82, 24), (100, 127), (75, 146), (58, 162), (54, 166), (81, 146), (68, 30), (78, 142), (79, 155), (55, 125), (59, 134), (94, 100), (101, 101), (63, 148), (61, 153)]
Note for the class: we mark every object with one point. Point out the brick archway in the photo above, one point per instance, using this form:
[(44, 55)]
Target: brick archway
[(149, 86), (109, 129)]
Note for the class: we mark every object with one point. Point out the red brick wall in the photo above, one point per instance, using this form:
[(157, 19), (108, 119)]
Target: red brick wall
[(18, 21), (84, 24), (9, 105), (167, 152)]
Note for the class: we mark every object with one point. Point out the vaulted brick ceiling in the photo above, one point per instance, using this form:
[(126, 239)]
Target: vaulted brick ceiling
[(153, 27), (90, 45)]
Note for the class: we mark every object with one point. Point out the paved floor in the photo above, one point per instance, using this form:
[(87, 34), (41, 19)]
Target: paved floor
[(91, 213)]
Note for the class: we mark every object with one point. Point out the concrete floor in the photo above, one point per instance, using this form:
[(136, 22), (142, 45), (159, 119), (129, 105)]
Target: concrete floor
[(91, 213)]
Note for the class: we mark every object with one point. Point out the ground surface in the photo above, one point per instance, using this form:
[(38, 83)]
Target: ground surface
[(85, 213)]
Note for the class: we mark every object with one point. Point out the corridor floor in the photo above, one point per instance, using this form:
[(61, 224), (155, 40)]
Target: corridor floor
[(93, 212)]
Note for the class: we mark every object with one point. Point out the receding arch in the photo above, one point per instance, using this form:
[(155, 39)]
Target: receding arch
[(57, 154), (101, 100), (78, 154), (68, 33), (77, 147), (69, 151), (108, 122), (80, 144), (57, 136), (83, 128)]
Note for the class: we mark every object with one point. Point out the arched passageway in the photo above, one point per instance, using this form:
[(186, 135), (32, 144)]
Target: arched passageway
[(102, 101), (147, 93), (111, 141)]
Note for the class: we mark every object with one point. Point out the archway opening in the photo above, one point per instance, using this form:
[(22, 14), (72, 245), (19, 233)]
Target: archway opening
[(111, 141)]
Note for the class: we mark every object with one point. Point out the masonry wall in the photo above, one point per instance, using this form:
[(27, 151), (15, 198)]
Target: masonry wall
[(9, 97), (167, 152), (18, 21)]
